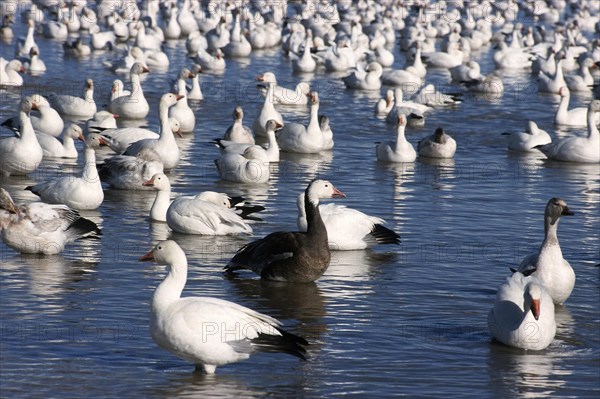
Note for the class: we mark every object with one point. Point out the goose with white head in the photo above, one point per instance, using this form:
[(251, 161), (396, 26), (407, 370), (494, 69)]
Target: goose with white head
[(133, 105), (548, 264), (298, 257), (178, 324)]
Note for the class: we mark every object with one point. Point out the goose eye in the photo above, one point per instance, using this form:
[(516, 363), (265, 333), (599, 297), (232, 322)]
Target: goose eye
[(159, 247)]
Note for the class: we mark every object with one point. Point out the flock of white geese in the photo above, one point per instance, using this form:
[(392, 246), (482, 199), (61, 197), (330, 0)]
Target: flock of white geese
[(551, 38)]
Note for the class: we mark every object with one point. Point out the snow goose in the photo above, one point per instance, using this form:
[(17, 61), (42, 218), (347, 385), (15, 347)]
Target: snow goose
[(397, 151), (266, 113), (83, 107), (209, 62), (23, 154), (159, 182), (208, 213), (438, 145), (282, 95), (305, 63), (25, 44), (186, 19), (120, 139), (527, 141), (300, 257), (578, 149), (491, 85), (35, 65), (218, 37), (82, 193), (48, 121), (510, 58), (165, 145), (55, 29), (367, 79), (417, 67), (523, 314), (327, 132), (238, 46), (41, 228), (452, 57), (381, 55), (126, 172), (385, 105), (399, 77), (295, 137), (134, 105), (576, 117), (552, 83), (548, 265), (171, 26), (583, 81), (466, 72), (9, 72), (252, 166), (414, 111), (146, 40), (178, 325), (428, 95), (102, 40), (118, 90), (237, 132), (272, 149), (195, 93), (348, 229), (102, 120), (181, 110), (6, 31), (53, 148)]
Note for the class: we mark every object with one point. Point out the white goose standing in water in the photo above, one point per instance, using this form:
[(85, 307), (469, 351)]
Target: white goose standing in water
[(548, 264), (179, 324)]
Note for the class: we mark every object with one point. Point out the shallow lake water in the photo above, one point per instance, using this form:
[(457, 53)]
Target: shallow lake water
[(395, 320)]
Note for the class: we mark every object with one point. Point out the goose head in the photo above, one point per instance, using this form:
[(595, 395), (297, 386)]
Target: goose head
[(238, 113), (323, 122), (74, 131), (15, 65), (27, 104), (314, 98), (398, 95), (214, 198), (255, 152), (555, 208), (159, 181), (322, 189), (267, 77), (89, 84), (138, 68), (533, 297), (7, 203), (594, 106), (165, 253), (34, 51), (304, 88), (170, 99), (438, 135), (148, 154), (272, 125), (196, 69), (39, 100), (175, 126), (389, 97), (401, 121), (94, 140), (117, 86)]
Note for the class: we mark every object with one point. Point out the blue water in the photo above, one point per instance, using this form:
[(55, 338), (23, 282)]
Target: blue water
[(396, 320)]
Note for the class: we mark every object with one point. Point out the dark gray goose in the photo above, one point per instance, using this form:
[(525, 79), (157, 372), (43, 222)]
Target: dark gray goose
[(299, 257)]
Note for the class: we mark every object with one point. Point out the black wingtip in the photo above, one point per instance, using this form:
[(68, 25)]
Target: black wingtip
[(383, 235), (83, 227), (246, 210), (285, 343), (236, 200), (513, 270)]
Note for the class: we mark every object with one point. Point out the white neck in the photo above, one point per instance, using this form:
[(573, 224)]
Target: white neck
[(273, 150), (27, 132), (166, 134), (593, 133), (88, 94), (69, 144), (161, 203), (170, 289), (90, 173), (136, 86), (400, 138), (313, 124)]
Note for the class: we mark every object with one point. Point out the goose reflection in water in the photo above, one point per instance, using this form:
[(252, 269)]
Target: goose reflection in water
[(197, 385)]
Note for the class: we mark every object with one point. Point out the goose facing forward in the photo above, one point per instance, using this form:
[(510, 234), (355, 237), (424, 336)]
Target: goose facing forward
[(548, 264), (400, 150), (39, 227), (300, 257), (523, 314), (178, 324)]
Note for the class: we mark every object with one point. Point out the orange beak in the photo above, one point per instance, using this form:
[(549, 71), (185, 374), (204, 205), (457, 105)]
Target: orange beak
[(145, 70), (22, 69), (260, 78), (278, 125), (338, 193), (179, 97), (535, 308), (80, 137), (34, 105), (149, 183), (103, 143), (148, 257)]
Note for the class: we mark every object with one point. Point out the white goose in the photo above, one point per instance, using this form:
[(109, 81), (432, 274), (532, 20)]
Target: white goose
[(327, 132), (83, 107), (179, 324), (120, 139), (438, 145), (36, 65), (295, 137), (82, 193), (575, 117), (272, 149), (126, 172), (53, 148), (41, 228), (527, 141), (102, 120), (49, 120), (165, 145), (181, 110), (23, 154), (305, 63), (552, 83), (583, 81), (385, 105), (428, 95), (365, 79), (195, 93), (118, 90), (237, 132), (208, 213), (523, 314), (209, 62), (252, 166), (266, 113), (578, 149), (282, 95), (397, 151), (548, 264), (134, 105), (9, 72), (25, 44), (399, 77), (348, 229)]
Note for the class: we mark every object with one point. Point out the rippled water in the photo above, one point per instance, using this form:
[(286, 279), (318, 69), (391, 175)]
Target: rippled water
[(407, 320)]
